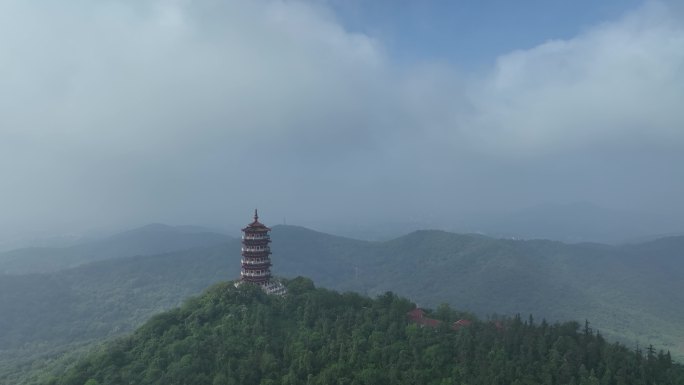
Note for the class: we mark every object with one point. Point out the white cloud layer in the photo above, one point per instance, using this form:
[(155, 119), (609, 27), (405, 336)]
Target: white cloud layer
[(619, 84), (123, 112)]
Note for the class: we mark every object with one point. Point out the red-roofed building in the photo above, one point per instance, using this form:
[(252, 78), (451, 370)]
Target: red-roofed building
[(461, 323), (429, 322), (417, 315)]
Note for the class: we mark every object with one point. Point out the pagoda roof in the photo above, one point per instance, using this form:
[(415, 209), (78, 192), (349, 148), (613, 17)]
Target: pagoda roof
[(256, 225)]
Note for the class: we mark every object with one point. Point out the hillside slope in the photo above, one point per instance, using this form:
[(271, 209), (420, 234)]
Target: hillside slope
[(148, 240), (633, 293), (629, 293), (104, 298), (240, 335)]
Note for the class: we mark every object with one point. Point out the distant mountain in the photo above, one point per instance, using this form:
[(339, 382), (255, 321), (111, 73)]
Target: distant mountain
[(148, 240), (104, 298), (43, 315), (47, 241), (240, 335), (629, 292), (571, 223), (575, 222)]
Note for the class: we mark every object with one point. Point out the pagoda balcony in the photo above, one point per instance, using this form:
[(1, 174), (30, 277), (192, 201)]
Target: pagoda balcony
[(255, 275), (255, 243), (256, 249), (255, 254), (252, 268), (256, 262), (258, 281), (256, 237)]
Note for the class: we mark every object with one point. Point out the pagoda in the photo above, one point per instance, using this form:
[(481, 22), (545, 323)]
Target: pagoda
[(256, 260)]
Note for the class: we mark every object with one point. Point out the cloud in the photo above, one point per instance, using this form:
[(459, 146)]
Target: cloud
[(617, 85), (135, 103), (124, 112)]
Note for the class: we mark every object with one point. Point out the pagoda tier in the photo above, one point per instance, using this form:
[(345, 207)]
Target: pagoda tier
[(256, 260)]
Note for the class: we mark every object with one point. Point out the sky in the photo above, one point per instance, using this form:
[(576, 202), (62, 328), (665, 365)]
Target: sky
[(118, 113)]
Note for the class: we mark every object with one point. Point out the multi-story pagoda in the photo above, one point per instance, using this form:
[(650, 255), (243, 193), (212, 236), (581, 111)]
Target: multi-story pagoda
[(256, 260)]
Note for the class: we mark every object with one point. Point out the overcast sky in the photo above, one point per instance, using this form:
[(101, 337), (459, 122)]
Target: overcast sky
[(117, 113)]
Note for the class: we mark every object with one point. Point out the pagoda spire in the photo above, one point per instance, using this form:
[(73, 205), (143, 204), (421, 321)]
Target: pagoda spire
[(256, 215)]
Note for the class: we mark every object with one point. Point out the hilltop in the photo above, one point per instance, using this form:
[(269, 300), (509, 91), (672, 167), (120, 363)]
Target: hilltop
[(240, 335)]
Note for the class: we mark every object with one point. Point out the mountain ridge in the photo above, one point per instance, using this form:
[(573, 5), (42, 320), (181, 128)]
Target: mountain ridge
[(146, 240), (624, 290)]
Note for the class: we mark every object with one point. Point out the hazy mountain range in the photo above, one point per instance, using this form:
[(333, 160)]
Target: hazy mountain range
[(87, 292), (573, 223), (148, 240)]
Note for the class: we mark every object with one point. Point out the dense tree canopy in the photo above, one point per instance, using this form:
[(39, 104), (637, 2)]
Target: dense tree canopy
[(240, 335), (631, 292)]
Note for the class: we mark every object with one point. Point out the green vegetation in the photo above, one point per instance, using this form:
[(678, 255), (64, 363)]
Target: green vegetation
[(43, 315), (313, 336), (632, 293)]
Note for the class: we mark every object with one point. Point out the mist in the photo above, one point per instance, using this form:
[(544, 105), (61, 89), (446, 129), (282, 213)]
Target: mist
[(115, 114)]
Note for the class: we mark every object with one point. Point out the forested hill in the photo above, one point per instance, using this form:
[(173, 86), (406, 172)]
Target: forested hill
[(313, 336), (632, 292)]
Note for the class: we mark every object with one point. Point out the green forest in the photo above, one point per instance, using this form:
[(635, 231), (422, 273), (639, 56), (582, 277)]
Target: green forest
[(632, 293), (240, 335)]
